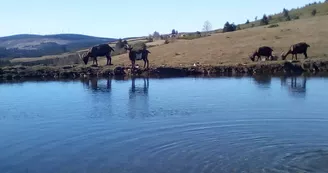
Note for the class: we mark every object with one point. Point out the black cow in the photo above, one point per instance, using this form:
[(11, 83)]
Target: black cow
[(99, 50)]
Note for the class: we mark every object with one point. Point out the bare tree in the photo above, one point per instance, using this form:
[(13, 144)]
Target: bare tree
[(207, 26)]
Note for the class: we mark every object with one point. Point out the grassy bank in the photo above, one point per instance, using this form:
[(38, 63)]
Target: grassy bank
[(77, 71)]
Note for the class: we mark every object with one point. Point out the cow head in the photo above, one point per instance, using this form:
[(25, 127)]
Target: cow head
[(128, 47), (251, 57), (85, 57), (283, 56), (111, 49)]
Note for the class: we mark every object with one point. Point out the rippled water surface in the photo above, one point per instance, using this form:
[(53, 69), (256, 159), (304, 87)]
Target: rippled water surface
[(180, 125)]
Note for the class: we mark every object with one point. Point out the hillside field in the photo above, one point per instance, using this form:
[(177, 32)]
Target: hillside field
[(235, 47), (232, 47)]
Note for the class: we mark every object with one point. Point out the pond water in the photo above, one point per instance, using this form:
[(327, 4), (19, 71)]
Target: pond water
[(177, 125)]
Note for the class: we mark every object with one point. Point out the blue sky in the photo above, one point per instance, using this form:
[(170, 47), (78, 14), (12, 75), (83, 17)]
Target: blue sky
[(119, 18)]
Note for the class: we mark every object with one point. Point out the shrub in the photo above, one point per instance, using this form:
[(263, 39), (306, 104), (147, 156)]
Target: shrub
[(285, 12), (150, 38), (229, 27), (273, 26), (190, 37), (264, 20)]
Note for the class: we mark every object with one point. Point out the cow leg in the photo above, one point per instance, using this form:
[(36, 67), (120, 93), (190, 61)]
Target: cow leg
[(109, 60), (94, 60), (305, 54), (133, 64), (296, 57), (144, 63)]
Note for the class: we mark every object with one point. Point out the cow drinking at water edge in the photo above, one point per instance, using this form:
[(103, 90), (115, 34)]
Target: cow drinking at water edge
[(95, 51), (262, 51), (299, 48), (138, 55)]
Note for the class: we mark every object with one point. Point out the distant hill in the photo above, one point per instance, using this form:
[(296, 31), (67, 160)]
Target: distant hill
[(28, 45)]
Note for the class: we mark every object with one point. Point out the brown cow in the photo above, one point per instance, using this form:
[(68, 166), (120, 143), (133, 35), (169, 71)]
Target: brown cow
[(99, 50), (262, 51), (138, 55), (299, 48)]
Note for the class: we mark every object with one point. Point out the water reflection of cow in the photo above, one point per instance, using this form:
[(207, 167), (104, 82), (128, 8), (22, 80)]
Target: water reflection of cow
[(139, 90), (138, 103), (95, 85), (262, 80), (295, 85)]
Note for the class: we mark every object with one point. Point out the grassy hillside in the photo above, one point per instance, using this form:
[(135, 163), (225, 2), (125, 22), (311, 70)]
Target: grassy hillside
[(234, 47), (294, 14), (229, 47)]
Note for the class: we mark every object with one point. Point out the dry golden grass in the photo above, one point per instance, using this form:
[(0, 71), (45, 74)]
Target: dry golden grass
[(235, 47)]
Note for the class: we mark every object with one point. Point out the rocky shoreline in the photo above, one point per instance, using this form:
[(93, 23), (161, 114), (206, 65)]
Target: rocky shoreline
[(75, 72)]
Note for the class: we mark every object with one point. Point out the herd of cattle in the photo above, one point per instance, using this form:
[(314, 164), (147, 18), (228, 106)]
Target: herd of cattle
[(105, 50), (298, 48)]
